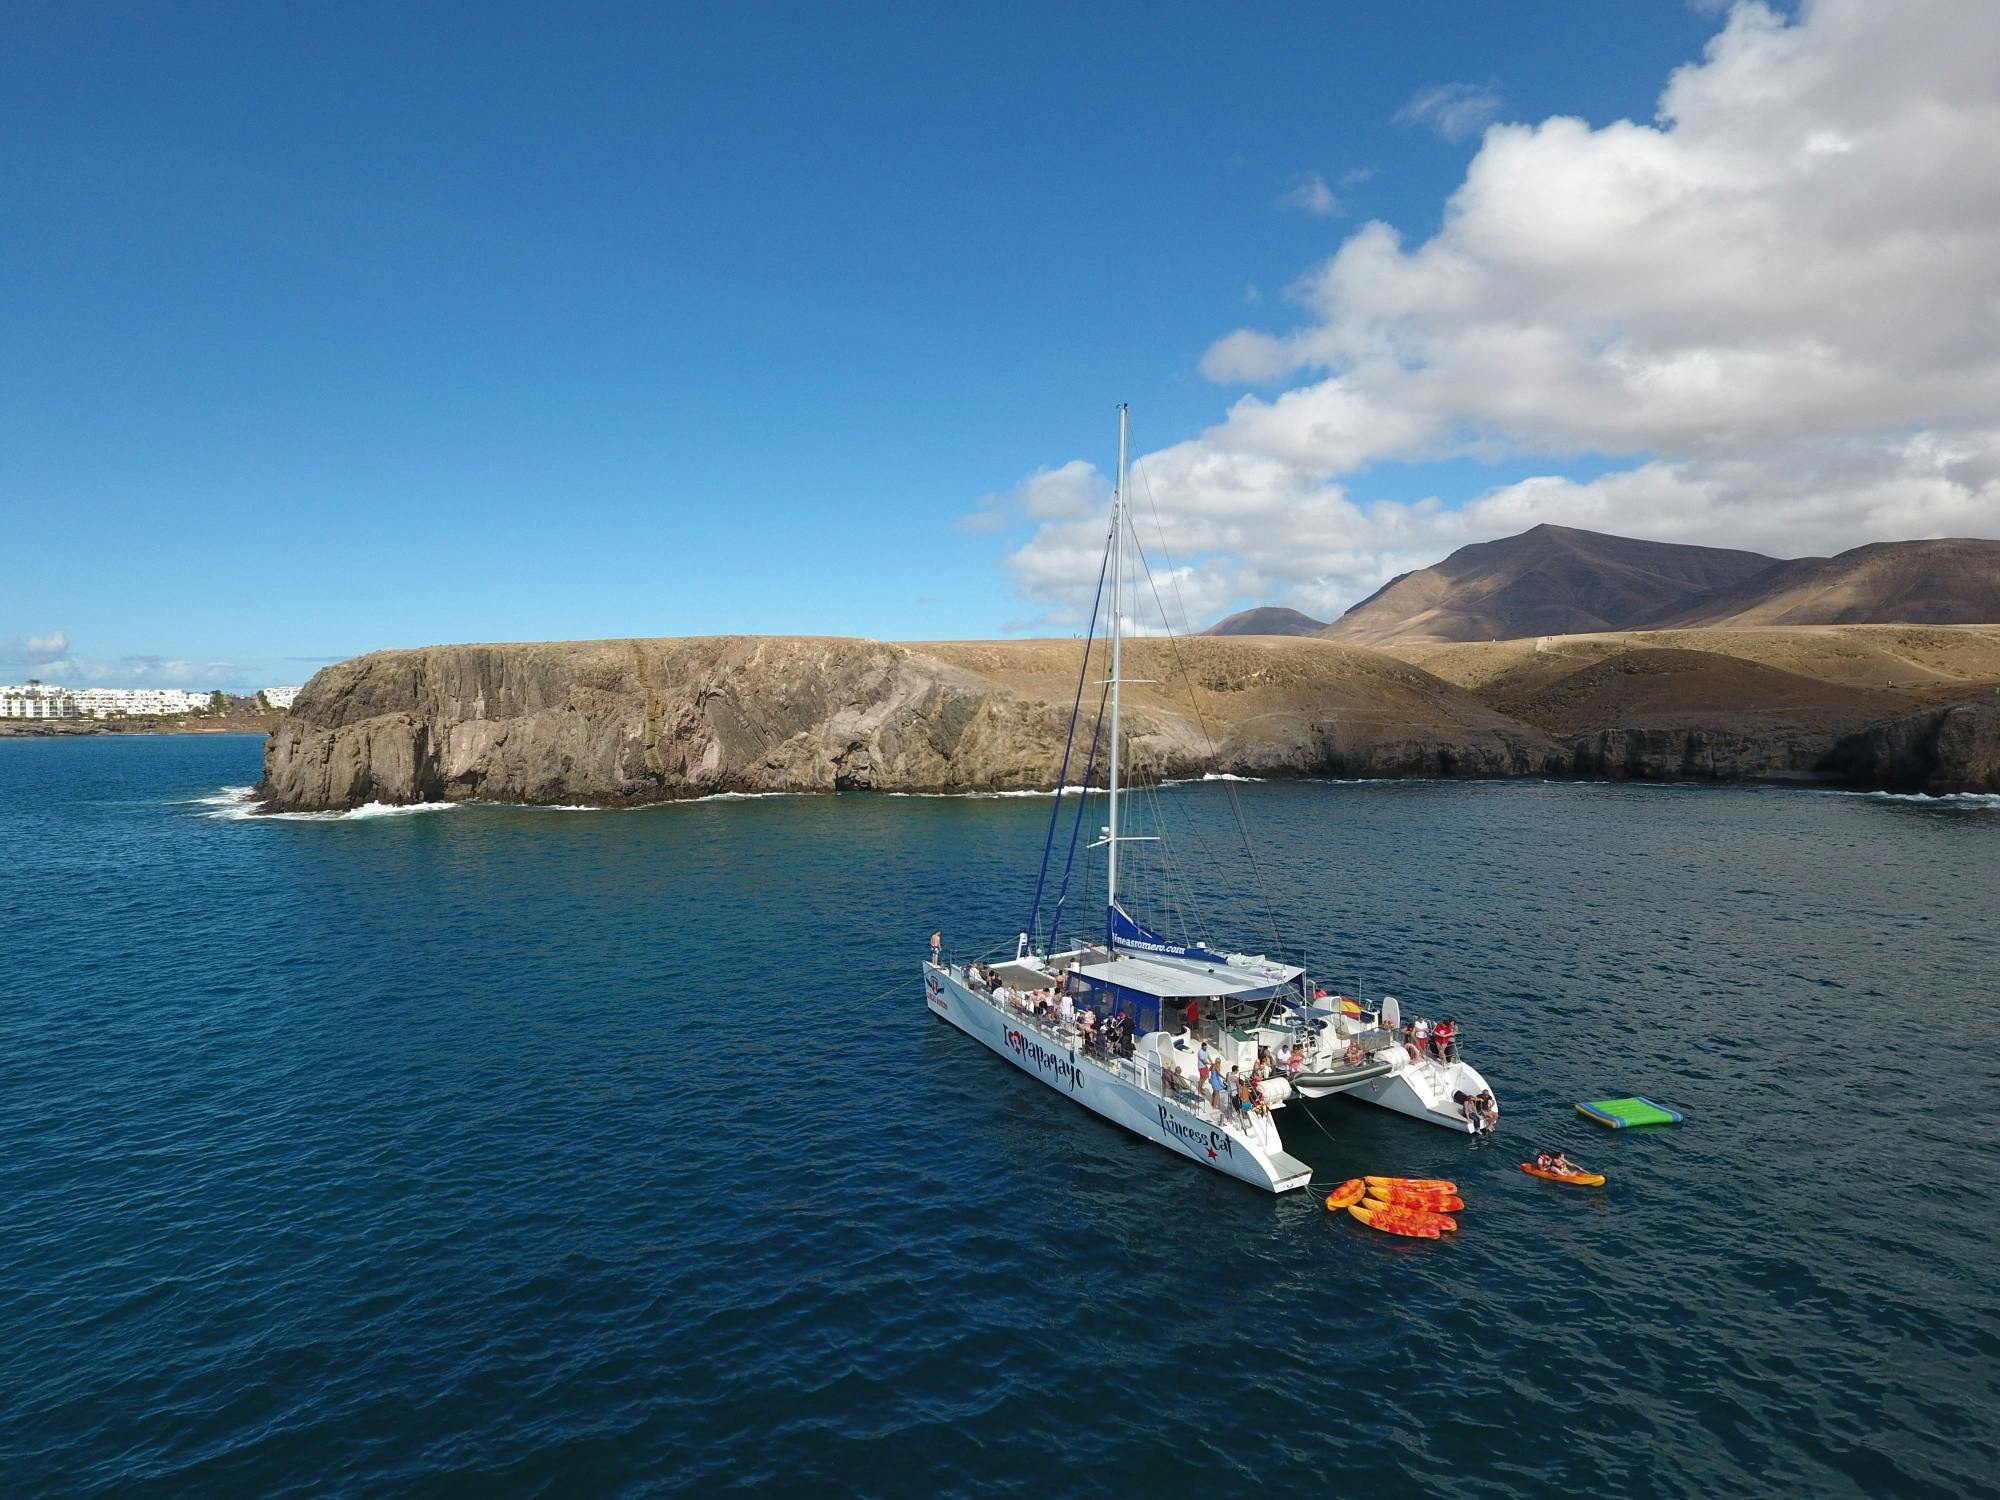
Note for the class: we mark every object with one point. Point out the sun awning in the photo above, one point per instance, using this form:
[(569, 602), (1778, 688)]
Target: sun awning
[(1175, 981)]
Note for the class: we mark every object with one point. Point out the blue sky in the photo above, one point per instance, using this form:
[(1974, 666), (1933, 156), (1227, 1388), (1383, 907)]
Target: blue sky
[(358, 327)]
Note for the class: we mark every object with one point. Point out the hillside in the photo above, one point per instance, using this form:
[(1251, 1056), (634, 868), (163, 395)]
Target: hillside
[(1271, 620), (1952, 581), (1554, 580), (1550, 580), (1915, 705)]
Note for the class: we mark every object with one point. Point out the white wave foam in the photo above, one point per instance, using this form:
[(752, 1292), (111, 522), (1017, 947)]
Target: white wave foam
[(240, 802), (228, 802), (982, 796), (1989, 801)]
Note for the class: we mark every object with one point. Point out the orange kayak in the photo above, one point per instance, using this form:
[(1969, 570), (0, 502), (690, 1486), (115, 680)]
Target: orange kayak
[(1400, 1213), (1347, 1194), (1430, 1184), (1396, 1225), (1574, 1179), (1409, 1197)]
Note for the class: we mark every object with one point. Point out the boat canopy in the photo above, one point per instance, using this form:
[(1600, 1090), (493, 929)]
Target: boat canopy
[(1247, 972), (1173, 981)]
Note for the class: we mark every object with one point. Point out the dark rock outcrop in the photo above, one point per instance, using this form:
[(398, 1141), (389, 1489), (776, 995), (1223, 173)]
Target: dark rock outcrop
[(1951, 749)]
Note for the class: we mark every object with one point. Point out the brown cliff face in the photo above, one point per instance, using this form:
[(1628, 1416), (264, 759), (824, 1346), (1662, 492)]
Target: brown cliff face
[(614, 723), (618, 723)]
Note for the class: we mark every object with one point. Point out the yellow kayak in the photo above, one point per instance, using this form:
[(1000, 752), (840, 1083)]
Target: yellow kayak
[(1424, 1184), (1390, 1223), (1346, 1195), (1401, 1211), (1574, 1179)]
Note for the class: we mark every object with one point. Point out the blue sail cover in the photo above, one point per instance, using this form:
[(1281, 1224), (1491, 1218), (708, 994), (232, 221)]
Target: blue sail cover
[(1127, 936)]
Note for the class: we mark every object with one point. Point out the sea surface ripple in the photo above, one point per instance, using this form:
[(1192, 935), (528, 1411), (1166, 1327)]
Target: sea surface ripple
[(509, 1153)]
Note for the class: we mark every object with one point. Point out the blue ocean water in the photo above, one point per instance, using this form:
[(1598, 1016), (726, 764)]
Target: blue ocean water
[(507, 1151)]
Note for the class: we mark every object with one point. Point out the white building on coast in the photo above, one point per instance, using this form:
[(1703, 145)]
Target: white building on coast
[(281, 697), (40, 700), (102, 703)]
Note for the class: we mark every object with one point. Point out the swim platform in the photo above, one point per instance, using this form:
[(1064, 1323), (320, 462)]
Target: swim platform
[(1620, 1113)]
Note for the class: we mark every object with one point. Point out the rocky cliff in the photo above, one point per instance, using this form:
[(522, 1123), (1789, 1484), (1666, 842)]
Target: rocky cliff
[(614, 723), (1953, 749)]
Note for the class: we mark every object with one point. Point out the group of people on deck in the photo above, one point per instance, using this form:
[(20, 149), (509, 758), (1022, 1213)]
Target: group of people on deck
[(1427, 1038), (1225, 1088), (1481, 1111), (1108, 1036)]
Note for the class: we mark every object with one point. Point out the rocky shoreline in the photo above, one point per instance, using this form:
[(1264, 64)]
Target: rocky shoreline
[(624, 723)]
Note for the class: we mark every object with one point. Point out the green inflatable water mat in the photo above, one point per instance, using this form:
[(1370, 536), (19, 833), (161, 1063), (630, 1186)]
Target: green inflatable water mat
[(1620, 1113)]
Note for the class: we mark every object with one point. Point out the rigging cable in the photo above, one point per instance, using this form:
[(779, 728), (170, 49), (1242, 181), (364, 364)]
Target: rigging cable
[(1069, 743), (1201, 720), (1082, 801)]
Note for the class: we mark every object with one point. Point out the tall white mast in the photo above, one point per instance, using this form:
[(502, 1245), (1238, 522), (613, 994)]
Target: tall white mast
[(1117, 639)]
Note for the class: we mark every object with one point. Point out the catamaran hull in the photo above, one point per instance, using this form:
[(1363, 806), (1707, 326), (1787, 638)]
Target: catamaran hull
[(1423, 1095), (1082, 1079)]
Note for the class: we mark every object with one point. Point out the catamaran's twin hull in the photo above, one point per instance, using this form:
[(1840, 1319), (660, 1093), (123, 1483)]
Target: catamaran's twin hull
[(1118, 1100), (1421, 1090)]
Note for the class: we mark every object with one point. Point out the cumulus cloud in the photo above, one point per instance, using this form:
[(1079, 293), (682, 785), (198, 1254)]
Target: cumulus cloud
[(1777, 305), (1455, 111), (33, 650), (1061, 494), (1312, 196), (137, 671)]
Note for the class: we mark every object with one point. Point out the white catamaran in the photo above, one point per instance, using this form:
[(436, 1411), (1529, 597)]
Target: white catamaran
[(1123, 1027)]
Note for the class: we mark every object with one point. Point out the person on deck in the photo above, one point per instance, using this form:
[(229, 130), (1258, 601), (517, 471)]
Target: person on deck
[(1194, 1015), (1444, 1041), (937, 944)]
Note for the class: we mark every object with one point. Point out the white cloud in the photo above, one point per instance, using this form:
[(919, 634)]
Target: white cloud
[(1455, 111), (1312, 196), (133, 671), (1073, 490), (1778, 303), (32, 650)]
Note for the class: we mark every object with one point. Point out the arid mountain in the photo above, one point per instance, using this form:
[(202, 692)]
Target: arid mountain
[(1551, 580), (1271, 620), (1953, 581)]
